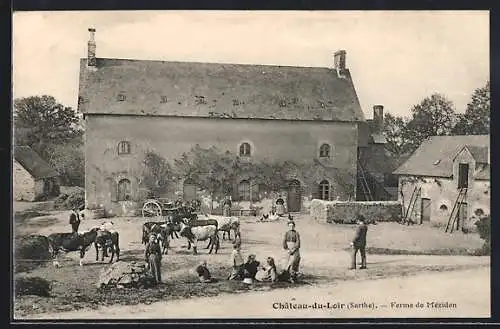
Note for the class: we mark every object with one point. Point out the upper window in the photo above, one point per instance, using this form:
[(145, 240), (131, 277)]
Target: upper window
[(124, 190), (124, 147), (324, 151), (245, 150), (324, 190)]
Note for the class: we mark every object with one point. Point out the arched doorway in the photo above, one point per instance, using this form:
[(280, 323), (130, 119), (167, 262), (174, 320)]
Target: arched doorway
[(189, 190), (294, 201)]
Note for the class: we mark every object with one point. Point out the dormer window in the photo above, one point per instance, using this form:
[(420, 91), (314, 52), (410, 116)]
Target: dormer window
[(245, 150), (124, 147), (121, 97), (324, 151)]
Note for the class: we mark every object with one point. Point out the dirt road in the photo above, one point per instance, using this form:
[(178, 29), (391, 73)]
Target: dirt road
[(460, 293)]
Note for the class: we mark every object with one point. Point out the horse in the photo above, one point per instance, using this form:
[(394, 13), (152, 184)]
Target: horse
[(67, 242), (107, 240), (201, 231)]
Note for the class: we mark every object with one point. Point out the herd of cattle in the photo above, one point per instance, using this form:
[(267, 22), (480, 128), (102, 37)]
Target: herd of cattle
[(184, 224)]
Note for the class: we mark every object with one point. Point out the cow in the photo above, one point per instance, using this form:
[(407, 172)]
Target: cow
[(226, 224), (107, 241), (201, 230), (163, 233), (67, 242)]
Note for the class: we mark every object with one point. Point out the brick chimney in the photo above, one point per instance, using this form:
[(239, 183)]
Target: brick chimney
[(378, 118), (91, 60), (339, 61)]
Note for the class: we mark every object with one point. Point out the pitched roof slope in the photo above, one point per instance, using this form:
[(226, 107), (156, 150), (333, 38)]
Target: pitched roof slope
[(479, 153), (217, 90), (435, 155), (33, 163)]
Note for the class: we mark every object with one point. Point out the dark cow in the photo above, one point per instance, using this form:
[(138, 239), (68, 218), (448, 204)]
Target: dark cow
[(107, 241), (67, 242), (163, 231)]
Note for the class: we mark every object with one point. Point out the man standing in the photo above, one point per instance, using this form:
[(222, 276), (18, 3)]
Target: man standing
[(74, 221), (226, 207), (359, 243), (291, 243)]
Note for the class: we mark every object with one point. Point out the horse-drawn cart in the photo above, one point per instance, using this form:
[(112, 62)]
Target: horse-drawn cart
[(165, 208)]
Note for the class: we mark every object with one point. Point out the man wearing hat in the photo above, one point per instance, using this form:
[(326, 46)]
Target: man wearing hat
[(291, 243), (74, 221), (359, 243)]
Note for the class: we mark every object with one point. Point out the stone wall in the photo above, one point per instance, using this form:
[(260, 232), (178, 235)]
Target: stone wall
[(271, 140), (24, 184), (346, 211)]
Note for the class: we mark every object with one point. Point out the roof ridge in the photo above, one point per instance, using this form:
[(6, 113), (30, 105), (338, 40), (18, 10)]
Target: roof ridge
[(211, 63)]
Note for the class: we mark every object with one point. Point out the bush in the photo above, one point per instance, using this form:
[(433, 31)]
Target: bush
[(30, 251), (32, 286), (73, 199), (484, 229)]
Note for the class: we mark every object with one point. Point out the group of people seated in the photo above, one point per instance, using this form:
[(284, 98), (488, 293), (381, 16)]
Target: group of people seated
[(248, 272)]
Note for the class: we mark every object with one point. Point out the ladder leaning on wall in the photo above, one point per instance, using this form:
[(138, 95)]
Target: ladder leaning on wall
[(364, 183), (411, 205), (462, 194)]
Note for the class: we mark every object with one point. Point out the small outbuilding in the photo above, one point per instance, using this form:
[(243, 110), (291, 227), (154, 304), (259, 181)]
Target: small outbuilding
[(34, 178)]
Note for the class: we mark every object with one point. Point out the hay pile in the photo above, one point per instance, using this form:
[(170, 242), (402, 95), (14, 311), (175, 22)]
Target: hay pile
[(32, 286), (30, 251)]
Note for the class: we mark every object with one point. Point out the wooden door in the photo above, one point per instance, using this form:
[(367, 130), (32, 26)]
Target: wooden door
[(294, 196), (189, 190), (425, 211)]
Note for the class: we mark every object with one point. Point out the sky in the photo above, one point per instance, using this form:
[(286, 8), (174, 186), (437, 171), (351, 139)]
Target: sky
[(395, 58)]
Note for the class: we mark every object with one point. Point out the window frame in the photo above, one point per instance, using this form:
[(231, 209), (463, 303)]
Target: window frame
[(244, 194), (324, 190), (124, 147), (245, 146), (325, 150)]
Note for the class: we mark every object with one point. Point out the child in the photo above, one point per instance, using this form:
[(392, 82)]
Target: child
[(268, 273), (153, 258), (237, 263), (203, 273), (251, 267)]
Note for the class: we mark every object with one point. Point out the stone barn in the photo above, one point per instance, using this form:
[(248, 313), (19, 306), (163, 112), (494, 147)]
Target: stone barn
[(34, 179), (306, 115), (447, 177)]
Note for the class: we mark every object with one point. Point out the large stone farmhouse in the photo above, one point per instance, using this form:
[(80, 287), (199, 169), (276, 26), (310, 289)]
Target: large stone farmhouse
[(307, 115), (447, 176), (33, 178)]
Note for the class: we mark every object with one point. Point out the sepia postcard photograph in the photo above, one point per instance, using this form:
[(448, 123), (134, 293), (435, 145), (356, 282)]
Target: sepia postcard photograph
[(251, 165)]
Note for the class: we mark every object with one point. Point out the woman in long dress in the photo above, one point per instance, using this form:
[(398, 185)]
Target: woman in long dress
[(267, 273), (153, 258)]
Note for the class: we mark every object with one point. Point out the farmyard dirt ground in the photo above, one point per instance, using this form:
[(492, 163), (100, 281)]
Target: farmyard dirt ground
[(323, 254)]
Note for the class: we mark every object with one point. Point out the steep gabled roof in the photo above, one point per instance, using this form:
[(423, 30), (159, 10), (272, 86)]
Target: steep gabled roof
[(435, 155), (33, 163), (217, 90), (479, 153)]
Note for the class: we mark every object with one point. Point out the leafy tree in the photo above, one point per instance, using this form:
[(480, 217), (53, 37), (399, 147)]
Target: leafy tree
[(69, 161), (272, 175), (40, 121), (395, 132), (434, 116), (476, 119), (211, 169), (156, 174)]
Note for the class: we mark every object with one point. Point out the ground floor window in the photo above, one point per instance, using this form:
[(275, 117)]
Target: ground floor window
[(124, 190), (324, 190)]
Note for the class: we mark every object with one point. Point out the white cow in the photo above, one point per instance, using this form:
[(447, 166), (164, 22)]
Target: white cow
[(226, 224)]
